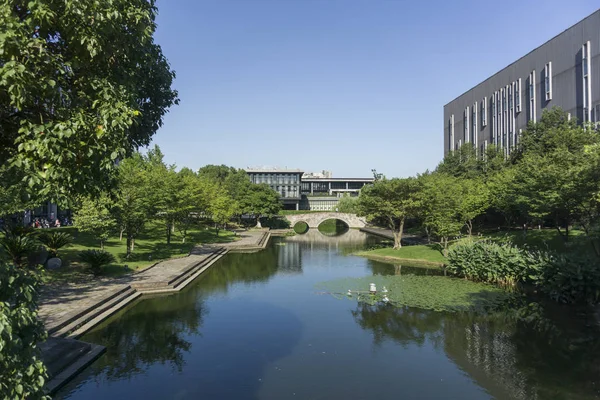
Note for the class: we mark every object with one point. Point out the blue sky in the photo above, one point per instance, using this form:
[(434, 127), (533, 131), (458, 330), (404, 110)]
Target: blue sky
[(341, 85)]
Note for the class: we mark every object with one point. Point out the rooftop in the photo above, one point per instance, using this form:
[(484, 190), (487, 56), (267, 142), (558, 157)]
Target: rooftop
[(273, 171)]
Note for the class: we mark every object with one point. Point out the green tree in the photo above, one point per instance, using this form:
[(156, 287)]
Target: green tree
[(348, 204), (260, 200), (440, 206), (390, 202), (22, 373), (556, 176), (165, 189), (222, 207), (133, 206), (96, 217), (475, 200), (193, 200), (82, 84)]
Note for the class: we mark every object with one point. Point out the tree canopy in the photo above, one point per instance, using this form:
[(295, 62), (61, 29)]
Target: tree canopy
[(82, 85)]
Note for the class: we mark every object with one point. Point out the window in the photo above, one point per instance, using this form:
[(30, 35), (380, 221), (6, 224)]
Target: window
[(548, 81), (510, 98), (484, 111), (466, 125), (494, 116), (518, 95), (532, 105), (587, 88), (451, 133), (474, 124)]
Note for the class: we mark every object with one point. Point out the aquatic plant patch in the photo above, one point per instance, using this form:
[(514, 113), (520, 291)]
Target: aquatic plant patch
[(436, 293)]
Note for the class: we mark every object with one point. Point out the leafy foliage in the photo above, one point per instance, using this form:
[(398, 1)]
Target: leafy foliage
[(348, 204), (55, 241), (440, 205), (22, 374), (390, 202), (483, 261), (18, 242), (96, 259), (96, 217), (77, 93), (569, 279)]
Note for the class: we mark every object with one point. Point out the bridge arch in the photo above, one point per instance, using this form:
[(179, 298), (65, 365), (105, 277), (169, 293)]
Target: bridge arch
[(314, 219)]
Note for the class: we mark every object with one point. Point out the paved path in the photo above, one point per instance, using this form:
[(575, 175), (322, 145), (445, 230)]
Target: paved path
[(59, 301)]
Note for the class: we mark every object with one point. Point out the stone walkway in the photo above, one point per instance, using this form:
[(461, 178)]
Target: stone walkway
[(60, 301)]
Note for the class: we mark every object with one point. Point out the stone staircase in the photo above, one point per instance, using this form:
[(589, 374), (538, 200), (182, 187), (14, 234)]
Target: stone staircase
[(79, 323), (181, 280), (76, 325)]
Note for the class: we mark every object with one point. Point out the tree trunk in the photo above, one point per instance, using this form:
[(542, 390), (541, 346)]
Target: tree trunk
[(168, 233), (129, 246), (397, 233), (121, 235), (132, 244), (258, 225), (445, 242), (469, 225), (102, 245)]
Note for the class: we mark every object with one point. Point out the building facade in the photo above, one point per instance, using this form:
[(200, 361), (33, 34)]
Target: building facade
[(286, 182), (300, 191), (563, 72)]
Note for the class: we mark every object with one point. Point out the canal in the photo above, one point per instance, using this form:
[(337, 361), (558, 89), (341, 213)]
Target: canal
[(256, 327)]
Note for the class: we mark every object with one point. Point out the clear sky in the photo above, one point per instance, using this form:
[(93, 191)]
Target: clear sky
[(341, 85)]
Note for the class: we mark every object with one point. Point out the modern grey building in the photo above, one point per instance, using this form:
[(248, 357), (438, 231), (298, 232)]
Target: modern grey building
[(300, 191), (284, 181), (563, 72)]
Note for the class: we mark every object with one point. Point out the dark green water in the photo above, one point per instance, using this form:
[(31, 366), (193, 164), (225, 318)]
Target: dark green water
[(253, 327)]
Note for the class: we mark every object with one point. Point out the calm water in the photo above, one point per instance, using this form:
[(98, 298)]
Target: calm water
[(253, 327)]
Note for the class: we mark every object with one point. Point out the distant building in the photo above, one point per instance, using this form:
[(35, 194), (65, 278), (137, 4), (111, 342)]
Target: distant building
[(307, 191), (563, 72), (284, 181)]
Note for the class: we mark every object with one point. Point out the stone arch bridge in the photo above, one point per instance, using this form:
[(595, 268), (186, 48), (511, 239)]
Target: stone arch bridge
[(314, 219)]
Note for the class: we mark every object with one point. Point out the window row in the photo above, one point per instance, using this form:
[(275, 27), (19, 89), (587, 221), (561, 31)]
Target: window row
[(505, 103)]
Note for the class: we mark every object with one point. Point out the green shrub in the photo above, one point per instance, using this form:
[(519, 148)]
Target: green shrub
[(500, 264), (569, 279), (17, 243), (96, 259), (22, 374), (55, 241), (301, 227)]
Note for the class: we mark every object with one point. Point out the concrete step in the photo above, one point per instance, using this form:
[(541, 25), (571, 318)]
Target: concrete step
[(89, 324), (82, 313), (176, 281), (92, 312), (183, 281), (180, 284)]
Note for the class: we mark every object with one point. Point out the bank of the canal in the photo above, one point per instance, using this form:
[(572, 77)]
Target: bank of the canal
[(256, 326)]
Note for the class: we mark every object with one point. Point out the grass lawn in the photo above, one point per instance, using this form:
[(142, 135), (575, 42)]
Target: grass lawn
[(429, 253), (545, 239), (150, 247)]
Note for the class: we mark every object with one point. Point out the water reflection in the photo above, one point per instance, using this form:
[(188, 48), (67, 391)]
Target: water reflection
[(509, 359), (237, 268), (137, 342), (252, 327), (382, 268), (349, 242)]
